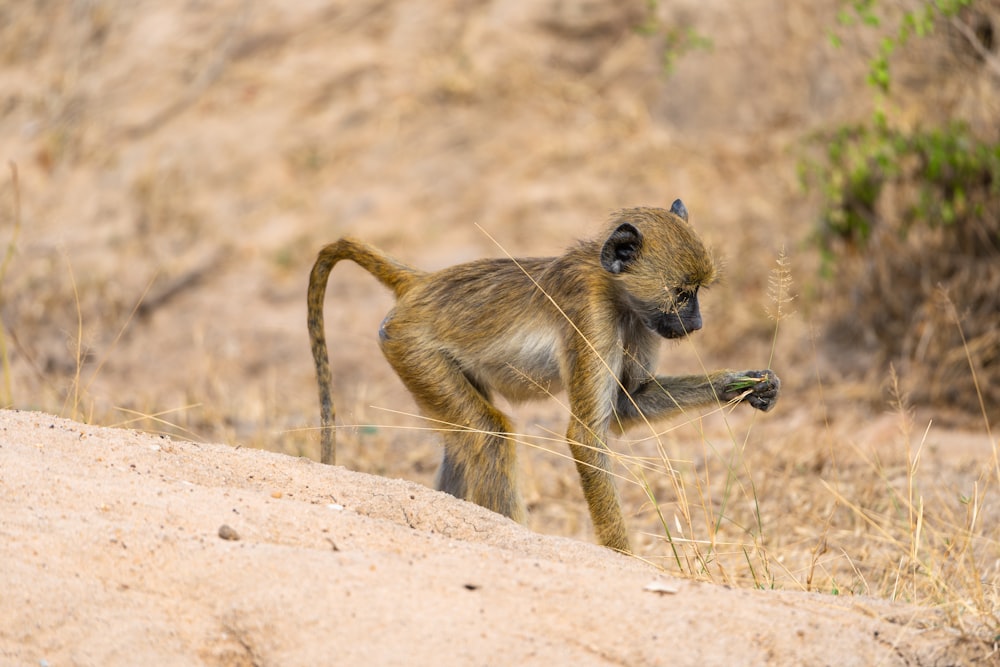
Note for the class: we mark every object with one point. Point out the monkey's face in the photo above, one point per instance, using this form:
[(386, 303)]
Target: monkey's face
[(684, 316), (659, 263)]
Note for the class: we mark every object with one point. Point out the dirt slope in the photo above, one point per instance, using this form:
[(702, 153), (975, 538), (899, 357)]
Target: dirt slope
[(111, 555)]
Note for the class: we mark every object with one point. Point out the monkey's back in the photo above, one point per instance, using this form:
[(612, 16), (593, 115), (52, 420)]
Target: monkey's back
[(487, 310)]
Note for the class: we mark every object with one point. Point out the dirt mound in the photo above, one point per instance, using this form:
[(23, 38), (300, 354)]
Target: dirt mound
[(113, 553)]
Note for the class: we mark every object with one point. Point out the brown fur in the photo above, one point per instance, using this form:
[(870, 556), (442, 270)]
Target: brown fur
[(588, 321)]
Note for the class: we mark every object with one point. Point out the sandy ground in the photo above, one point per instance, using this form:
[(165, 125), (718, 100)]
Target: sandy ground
[(113, 553)]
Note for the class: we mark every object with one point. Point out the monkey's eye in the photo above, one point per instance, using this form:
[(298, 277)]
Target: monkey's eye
[(680, 298), (676, 298)]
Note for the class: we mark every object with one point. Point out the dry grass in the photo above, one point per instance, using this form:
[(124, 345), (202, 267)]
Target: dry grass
[(826, 508), (7, 398), (900, 307)]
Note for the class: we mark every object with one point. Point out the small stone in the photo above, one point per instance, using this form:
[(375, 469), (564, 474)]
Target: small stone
[(227, 533)]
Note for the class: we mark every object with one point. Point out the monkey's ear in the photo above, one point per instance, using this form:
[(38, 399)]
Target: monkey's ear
[(679, 209), (621, 248)]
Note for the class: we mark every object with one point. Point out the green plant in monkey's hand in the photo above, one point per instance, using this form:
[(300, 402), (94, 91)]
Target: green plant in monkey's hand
[(759, 388), (744, 382)]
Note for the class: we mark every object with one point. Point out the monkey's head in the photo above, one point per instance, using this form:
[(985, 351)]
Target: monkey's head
[(659, 263)]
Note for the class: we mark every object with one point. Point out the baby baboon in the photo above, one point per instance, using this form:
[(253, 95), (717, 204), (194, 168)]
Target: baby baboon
[(588, 321)]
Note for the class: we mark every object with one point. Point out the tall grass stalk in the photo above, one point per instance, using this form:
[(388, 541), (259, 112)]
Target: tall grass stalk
[(7, 399)]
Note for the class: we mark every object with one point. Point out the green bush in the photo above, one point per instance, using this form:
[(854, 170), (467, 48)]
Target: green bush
[(910, 235), (942, 176)]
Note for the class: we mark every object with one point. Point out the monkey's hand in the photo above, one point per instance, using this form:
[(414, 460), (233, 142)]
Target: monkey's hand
[(758, 388)]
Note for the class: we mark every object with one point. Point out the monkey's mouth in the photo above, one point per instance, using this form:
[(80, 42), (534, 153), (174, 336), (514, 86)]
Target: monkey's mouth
[(670, 325)]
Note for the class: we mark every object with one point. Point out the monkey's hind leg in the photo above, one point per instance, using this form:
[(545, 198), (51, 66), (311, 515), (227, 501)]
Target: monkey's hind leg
[(480, 459), (480, 466)]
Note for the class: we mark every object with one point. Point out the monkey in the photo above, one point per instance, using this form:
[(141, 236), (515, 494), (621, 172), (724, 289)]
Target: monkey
[(587, 322)]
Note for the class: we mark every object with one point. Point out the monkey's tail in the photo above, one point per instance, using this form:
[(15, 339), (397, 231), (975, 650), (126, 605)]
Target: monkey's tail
[(394, 275)]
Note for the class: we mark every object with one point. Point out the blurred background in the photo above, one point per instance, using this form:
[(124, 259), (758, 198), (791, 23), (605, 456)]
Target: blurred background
[(175, 166)]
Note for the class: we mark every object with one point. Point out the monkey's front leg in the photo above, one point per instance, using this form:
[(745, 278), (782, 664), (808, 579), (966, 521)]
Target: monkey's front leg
[(665, 396), (593, 463), (590, 396)]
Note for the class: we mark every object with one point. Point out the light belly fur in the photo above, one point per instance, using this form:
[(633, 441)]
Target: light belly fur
[(523, 367)]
